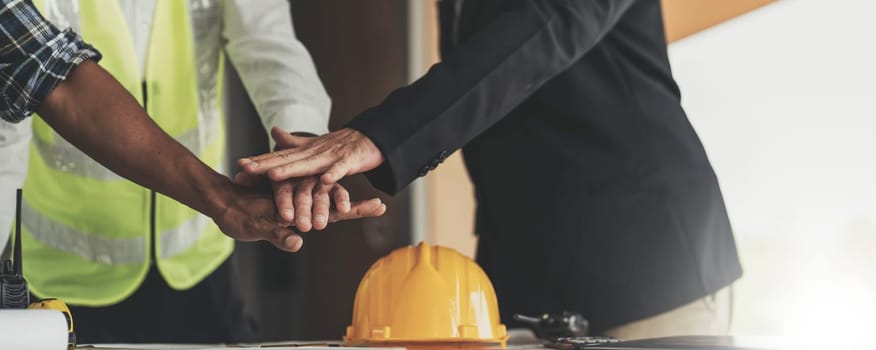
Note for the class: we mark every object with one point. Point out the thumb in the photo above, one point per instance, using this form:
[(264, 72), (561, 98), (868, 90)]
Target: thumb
[(286, 140), (286, 239), (245, 179)]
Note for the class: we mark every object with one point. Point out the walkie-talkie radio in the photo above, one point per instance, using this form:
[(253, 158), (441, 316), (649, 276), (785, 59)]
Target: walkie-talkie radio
[(13, 288)]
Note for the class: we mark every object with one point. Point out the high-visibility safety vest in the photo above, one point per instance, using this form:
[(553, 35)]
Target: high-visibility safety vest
[(89, 236)]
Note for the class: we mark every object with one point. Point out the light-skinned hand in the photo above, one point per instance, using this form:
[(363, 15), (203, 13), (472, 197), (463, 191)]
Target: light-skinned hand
[(334, 155), (304, 201)]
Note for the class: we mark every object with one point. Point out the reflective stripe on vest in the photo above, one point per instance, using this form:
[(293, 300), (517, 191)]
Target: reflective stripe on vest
[(108, 250), (63, 156), (87, 230), (88, 246)]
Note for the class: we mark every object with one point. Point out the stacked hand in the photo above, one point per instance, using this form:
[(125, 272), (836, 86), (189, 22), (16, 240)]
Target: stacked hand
[(249, 214), (334, 155), (302, 198), (164, 165)]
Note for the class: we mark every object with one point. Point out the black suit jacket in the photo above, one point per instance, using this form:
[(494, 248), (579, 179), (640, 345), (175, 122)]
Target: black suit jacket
[(594, 192)]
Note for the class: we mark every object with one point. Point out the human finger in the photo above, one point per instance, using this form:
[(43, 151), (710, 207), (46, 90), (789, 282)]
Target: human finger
[(283, 192), (259, 164), (321, 205), (303, 204), (336, 172), (286, 239), (342, 198), (301, 168), (360, 209)]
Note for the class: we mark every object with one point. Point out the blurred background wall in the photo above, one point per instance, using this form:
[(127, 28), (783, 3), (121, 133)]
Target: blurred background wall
[(780, 92), (361, 53), (782, 98)]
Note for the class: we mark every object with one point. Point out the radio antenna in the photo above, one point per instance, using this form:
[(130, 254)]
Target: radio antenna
[(16, 267)]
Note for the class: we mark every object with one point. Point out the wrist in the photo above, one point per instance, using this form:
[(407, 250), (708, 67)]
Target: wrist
[(219, 197), (373, 155), (214, 193)]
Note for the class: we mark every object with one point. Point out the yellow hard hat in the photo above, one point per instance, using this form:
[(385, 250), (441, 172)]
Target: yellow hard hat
[(425, 295)]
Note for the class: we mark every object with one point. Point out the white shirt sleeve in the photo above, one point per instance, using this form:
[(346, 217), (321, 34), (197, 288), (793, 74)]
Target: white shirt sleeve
[(14, 141), (276, 69)]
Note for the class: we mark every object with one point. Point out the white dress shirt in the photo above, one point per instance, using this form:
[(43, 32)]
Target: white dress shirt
[(14, 139), (275, 68)]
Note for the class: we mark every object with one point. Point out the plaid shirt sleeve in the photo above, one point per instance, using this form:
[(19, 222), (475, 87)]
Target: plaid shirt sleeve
[(34, 57)]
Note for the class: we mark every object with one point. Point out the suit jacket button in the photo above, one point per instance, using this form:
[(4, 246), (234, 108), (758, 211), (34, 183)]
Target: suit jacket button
[(423, 172), (444, 154)]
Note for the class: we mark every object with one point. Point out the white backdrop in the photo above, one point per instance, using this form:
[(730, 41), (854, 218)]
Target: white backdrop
[(784, 99)]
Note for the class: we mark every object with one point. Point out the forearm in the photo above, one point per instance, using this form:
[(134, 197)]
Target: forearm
[(96, 114), (481, 81), (275, 68)]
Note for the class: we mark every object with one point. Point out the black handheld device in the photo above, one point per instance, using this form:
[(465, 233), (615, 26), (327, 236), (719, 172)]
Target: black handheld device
[(13, 288)]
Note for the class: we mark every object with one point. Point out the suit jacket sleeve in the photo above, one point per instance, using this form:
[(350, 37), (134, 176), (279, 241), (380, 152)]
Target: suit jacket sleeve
[(482, 81)]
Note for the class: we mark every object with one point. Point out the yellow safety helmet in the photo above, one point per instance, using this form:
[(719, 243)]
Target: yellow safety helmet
[(425, 295)]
